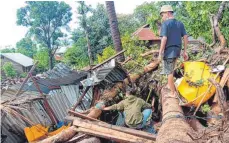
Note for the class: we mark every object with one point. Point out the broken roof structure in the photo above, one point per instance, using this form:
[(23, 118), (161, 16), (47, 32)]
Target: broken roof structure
[(145, 33)]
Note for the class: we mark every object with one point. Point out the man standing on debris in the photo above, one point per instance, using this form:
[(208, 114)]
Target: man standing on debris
[(172, 32), (132, 107)]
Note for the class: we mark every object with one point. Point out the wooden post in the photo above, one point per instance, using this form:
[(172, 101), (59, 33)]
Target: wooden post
[(80, 99)]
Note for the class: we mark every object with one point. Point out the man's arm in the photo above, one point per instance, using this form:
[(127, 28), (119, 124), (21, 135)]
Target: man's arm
[(163, 34), (162, 48), (108, 108), (119, 106), (185, 55)]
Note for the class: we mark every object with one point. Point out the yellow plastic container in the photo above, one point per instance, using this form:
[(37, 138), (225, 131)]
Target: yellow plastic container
[(35, 132), (195, 84), (38, 132)]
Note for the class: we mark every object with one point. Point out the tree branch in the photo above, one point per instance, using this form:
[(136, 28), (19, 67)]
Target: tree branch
[(216, 19)]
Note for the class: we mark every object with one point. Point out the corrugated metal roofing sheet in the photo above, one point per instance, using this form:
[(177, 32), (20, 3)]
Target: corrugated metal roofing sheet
[(60, 100), (19, 58), (109, 73)]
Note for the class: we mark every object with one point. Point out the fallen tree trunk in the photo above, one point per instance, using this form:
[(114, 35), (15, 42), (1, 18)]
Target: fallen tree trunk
[(92, 128), (110, 94), (174, 127)]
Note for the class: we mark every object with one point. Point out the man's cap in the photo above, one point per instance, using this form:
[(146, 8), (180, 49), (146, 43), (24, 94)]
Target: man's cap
[(166, 8)]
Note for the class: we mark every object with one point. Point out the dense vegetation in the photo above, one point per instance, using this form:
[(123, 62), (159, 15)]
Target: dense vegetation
[(46, 21)]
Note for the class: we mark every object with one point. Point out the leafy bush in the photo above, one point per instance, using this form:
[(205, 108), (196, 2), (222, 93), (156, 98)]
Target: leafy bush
[(107, 53), (43, 59), (76, 56), (23, 75), (9, 70)]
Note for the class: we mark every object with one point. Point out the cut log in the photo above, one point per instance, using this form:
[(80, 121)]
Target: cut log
[(92, 128), (174, 127), (63, 136), (116, 128)]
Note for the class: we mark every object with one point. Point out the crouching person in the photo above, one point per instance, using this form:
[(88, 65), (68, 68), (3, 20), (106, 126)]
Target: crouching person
[(137, 112)]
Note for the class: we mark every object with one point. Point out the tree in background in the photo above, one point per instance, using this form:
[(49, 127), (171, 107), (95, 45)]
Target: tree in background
[(8, 50), (26, 47), (114, 29), (128, 23), (82, 10), (45, 20), (9, 70), (43, 57), (99, 35)]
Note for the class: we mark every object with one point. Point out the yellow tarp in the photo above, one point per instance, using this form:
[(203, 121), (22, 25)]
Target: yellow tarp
[(38, 132), (195, 83)]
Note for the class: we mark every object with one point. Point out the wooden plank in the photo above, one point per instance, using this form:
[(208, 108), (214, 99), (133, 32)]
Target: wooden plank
[(109, 131), (118, 128), (116, 136)]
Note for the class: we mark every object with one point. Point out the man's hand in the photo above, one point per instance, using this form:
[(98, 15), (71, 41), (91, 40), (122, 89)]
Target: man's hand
[(153, 109), (159, 57), (185, 55)]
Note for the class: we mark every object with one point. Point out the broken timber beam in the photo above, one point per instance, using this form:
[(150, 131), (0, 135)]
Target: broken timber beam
[(108, 59), (93, 128), (80, 99), (174, 126), (116, 128)]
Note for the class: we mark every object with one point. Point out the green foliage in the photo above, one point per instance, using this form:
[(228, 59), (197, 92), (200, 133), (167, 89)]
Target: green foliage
[(26, 47), (127, 23), (107, 53), (97, 24), (134, 49), (76, 56), (99, 33), (194, 15), (9, 70), (205, 108), (45, 20), (43, 59), (8, 50), (23, 75)]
